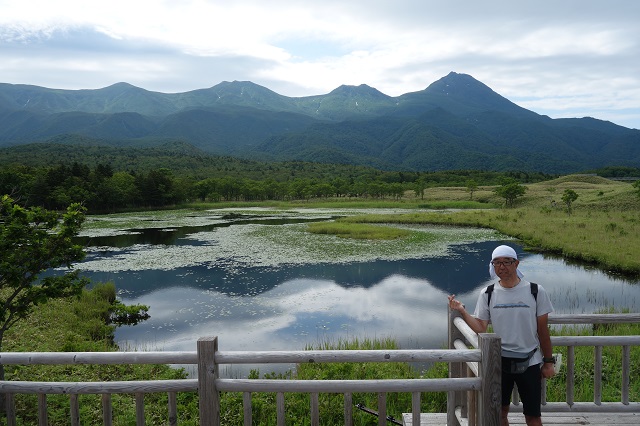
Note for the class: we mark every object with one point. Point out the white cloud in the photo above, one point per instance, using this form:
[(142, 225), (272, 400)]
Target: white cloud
[(580, 54)]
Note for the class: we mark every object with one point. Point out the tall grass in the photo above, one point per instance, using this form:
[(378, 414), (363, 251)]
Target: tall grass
[(596, 233), (332, 405)]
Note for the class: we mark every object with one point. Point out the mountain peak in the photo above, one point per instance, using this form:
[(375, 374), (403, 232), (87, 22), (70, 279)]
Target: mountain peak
[(361, 90), (462, 93)]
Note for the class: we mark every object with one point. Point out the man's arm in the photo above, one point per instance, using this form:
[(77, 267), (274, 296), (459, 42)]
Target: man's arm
[(545, 345), (477, 325)]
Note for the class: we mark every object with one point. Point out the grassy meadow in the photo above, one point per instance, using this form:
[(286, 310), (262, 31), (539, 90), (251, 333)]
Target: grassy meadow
[(602, 228)]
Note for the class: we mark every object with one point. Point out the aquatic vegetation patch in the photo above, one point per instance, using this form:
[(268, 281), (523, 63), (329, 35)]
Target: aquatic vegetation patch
[(241, 245), (357, 230)]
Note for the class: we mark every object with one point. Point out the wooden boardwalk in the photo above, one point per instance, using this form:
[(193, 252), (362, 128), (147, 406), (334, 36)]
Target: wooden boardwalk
[(600, 419)]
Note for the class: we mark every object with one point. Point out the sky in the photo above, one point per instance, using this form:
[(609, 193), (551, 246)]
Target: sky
[(561, 58)]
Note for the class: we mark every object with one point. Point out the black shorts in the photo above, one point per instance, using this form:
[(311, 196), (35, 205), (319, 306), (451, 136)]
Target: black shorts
[(529, 387)]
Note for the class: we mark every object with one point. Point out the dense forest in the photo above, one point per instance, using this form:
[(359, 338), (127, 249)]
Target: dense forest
[(104, 189), (108, 178)]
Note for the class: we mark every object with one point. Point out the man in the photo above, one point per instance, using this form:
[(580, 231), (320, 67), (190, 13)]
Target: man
[(519, 317)]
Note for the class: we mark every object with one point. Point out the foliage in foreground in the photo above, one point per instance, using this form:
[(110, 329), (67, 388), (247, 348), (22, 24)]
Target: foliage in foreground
[(83, 325)]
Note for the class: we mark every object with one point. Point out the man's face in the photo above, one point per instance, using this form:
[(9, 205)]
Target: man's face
[(505, 266)]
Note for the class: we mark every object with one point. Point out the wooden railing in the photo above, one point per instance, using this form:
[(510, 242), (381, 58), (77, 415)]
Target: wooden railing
[(209, 385), (473, 385), (464, 408)]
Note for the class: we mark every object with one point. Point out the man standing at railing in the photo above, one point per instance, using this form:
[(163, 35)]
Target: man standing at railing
[(518, 311)]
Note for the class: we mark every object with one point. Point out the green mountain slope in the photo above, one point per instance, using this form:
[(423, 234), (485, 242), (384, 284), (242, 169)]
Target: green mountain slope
[(457, 122)]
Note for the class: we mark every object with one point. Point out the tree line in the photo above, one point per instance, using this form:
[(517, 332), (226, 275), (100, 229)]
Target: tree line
[(102, 189)]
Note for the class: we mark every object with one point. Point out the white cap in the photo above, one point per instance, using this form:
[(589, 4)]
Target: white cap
[(503, 251)]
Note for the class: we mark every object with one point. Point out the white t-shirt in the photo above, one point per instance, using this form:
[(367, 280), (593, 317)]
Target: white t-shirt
[(513, 316)]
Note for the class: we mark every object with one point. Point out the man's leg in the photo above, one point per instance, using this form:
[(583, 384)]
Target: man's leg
[(504, 419), (529, 387), (507, 389), (533, 421)]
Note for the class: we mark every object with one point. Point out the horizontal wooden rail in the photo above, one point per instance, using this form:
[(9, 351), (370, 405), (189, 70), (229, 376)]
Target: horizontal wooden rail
[(595, 340), (239, 357), (586, 407), (97, 358), (342, 386), (301, 357), (146, 386), (594, 318)]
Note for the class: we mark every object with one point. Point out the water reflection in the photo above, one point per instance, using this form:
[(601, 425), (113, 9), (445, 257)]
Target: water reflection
[(290, 306)]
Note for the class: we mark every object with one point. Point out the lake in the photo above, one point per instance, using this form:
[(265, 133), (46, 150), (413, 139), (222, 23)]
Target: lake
[(256, 279)]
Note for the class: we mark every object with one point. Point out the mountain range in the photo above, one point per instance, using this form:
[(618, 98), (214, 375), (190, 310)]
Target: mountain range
[(457, 122)]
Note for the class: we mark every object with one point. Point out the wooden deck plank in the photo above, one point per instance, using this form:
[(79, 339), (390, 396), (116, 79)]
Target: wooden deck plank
[(515, 419)]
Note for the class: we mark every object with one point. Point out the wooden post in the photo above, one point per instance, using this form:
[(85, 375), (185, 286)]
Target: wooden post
[(10, 408), (74, 409), (246, 409), (107, 412), (315, 409), (280, 409), (382, 408), (348, 409), (454, 398), (42, 409), (139, 396), (489, 369), (209, 398), (415, 408), (173, 408)]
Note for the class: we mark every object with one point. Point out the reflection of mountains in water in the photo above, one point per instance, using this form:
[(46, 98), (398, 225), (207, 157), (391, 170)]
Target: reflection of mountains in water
[(462, 270)]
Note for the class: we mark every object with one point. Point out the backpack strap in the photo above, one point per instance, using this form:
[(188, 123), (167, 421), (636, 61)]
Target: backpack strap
[(489, 292), (534, 291)]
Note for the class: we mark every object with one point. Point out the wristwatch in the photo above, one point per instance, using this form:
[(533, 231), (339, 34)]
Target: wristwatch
[(550, 360)]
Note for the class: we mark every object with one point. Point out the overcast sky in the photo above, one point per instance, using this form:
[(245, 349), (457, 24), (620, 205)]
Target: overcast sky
[(562, 58)]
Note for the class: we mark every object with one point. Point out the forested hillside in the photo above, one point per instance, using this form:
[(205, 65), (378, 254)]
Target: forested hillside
[(107, 178), (457, 122)]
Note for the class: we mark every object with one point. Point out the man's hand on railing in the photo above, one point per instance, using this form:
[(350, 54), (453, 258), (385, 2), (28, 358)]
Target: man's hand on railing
[(454, 304), (477, 325)]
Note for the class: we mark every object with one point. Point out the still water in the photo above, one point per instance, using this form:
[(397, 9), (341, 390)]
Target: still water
[(255, 284)]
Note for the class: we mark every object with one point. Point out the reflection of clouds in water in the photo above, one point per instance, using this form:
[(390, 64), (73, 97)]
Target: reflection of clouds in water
[(572, 289), (408, 310)]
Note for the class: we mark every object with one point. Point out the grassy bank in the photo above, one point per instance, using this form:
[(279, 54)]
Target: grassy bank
[(81, 325), (605, 216)]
